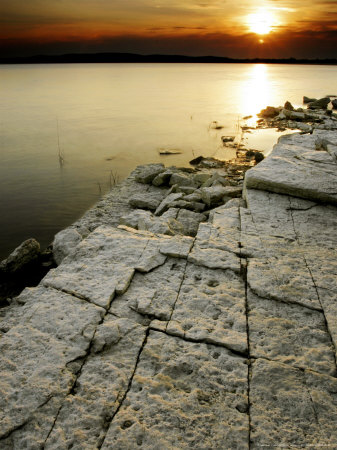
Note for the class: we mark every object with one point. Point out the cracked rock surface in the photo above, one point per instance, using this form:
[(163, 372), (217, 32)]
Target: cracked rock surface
[(185, 329)]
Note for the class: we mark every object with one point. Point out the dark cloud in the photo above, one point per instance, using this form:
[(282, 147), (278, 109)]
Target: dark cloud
[(283, 44)]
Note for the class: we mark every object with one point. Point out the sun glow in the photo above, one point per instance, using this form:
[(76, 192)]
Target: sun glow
[(261, 22)]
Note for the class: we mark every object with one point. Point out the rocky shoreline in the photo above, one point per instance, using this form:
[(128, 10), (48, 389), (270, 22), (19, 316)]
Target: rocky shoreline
[(190, 308)]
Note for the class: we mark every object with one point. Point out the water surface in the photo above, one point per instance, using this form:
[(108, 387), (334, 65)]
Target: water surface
[(108, 118)]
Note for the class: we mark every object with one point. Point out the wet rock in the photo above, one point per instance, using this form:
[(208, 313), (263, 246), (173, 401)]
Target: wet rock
[(269, 112), (146, 174), (27, 253), (288, 106), (309, 100), (334, 103), (322, 103), (227, 138)]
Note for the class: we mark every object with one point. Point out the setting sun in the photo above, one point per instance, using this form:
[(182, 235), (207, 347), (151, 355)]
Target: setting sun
[(261, 22)]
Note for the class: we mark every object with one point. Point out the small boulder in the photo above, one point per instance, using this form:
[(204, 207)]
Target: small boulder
[(162, 178), (146, 174), (269, 112), (227, 139), (64, 243), (308, 100), (25, 254), (181, 179), (322, 103), (146, 201), (196, 161), (213, 195), (334, 103), (190, 221), (288, 106), (166, 203)]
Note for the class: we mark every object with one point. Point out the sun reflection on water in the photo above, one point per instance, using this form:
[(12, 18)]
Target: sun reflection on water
[(256, 90)]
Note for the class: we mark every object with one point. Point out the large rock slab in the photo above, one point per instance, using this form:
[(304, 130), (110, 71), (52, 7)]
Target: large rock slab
[(290, 334), (296, 170), (102, 265), (178, 390), (85, 414), (151, 295), (291, 408), (55, 329), (211, 308)]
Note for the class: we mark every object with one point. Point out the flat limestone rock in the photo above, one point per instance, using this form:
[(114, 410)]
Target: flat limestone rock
[(293, 171), (152, 294), (177, 247), (85, 414), (284, 278), (290, 334), (291, 407), (64, 243), (102, 264), (214, 258), (270, 213), (178, 390), (211, 308), (54, 330)]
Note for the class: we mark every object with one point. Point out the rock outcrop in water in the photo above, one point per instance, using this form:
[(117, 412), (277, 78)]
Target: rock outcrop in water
[(222, 339)]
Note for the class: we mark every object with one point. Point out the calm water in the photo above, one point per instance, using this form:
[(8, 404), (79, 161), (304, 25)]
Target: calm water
[(112, 117)]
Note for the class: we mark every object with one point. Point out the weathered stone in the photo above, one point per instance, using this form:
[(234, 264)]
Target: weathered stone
[(201, 177), (25, 254), (147, 201), (211, 308), (293, 115), (146, 174), (290, 334), (286, 171), (308, 99), (288, 106), (269, 112), (82, 420), (177, 247), (212, 196), (166, 203), (179, 385), (64, 243), (334, 103), (54, 330), (151, 295), (322, 103), (162, 178), (102, 265), (291, 407), (182, 179), (190, 221)]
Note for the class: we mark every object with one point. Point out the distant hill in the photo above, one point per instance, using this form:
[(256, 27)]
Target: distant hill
[(135, 58)]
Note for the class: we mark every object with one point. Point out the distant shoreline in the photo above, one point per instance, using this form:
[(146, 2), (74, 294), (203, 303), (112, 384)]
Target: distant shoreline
[(75, 58)]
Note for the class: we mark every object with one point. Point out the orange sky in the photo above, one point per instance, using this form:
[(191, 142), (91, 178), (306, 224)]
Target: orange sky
[(296, 28)]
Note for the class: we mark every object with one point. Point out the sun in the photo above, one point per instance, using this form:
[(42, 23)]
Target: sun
[(261, 22)]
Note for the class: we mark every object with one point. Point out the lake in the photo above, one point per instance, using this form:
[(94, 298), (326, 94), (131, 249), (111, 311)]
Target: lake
[(66, 131)]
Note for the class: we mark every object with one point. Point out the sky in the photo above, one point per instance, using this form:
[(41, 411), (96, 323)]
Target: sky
[(232, 28)]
